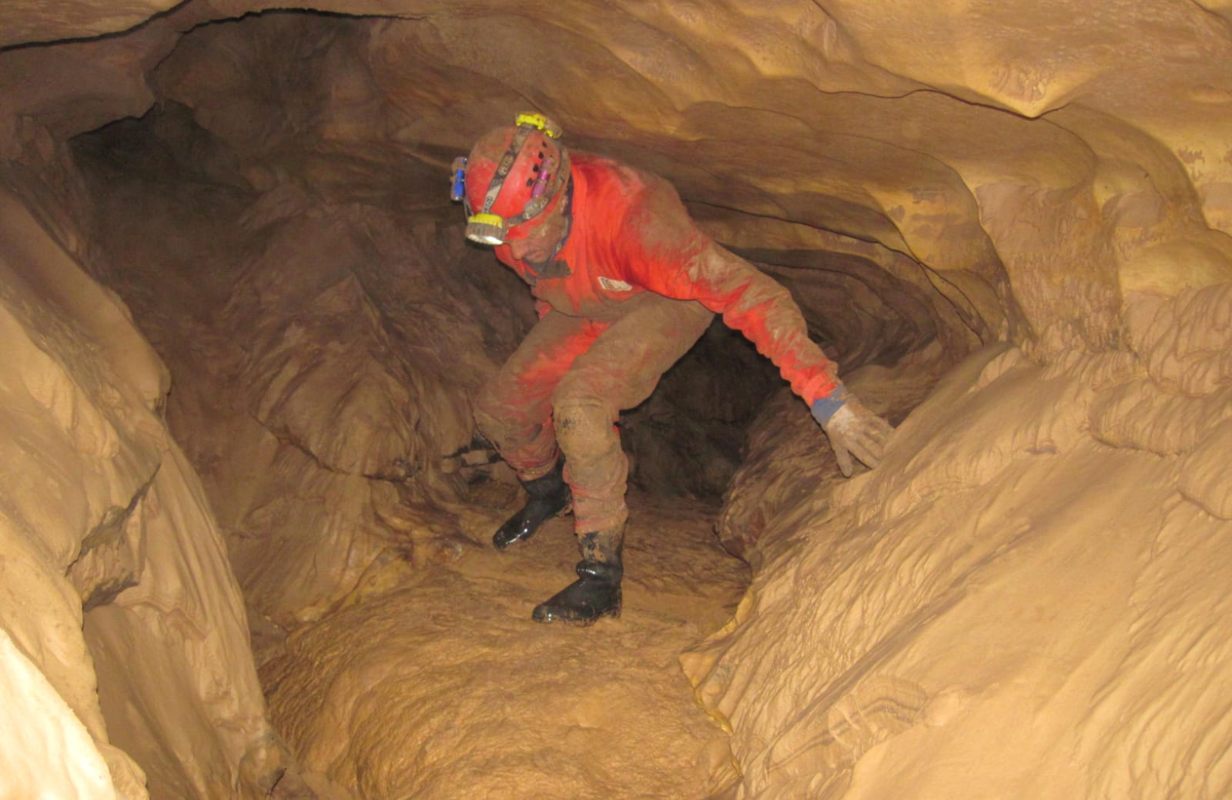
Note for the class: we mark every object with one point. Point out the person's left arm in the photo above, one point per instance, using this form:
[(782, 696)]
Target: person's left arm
[(667, 254)]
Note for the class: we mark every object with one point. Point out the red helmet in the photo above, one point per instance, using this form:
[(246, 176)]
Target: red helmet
[(513, 174)]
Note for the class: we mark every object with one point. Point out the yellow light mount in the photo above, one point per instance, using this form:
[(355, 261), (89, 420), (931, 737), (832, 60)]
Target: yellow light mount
[(539, 121)]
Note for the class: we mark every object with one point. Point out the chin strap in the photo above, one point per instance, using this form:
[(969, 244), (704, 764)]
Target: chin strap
[(538, 269)]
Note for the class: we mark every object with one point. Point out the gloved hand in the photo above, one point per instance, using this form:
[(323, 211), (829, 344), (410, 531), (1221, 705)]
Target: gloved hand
[(853, 430)]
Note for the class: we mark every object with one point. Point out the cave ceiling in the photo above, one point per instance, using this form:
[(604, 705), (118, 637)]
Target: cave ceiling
[(1036, 161)]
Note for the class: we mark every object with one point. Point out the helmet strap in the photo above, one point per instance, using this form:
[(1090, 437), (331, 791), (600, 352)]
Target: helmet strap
[(504, 167), (541, 269)]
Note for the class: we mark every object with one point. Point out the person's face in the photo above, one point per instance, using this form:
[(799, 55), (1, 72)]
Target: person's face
[(535, 242)]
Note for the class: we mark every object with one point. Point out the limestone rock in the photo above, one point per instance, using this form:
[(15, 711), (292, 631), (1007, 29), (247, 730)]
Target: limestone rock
[(104, 525), (1006, 606), (1033, 586)]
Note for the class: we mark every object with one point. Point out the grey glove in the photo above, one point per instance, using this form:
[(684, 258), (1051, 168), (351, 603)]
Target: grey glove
[(853, 430)]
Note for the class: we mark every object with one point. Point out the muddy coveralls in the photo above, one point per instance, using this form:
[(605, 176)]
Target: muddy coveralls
[(631, 290)]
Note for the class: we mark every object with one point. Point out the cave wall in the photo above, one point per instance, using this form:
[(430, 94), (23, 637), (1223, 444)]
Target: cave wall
[(124, 625), (1033, 170), (1036, 162), (1028, 599), (929, 178), (1035, 181), (324, 352)]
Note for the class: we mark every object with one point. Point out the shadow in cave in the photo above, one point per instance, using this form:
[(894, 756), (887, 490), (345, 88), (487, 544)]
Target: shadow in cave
[(325, 341), (1027, 598)]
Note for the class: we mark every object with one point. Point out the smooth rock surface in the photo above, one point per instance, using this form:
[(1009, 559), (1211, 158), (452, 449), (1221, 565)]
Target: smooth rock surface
[(1008, 606), (103, 524), (1025, 599)]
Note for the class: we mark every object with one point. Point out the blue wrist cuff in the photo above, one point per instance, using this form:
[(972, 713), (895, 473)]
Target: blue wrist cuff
[(825, 407)]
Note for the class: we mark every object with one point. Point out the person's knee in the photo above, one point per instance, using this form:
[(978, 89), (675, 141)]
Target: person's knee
[(584, 426), (492, 416)]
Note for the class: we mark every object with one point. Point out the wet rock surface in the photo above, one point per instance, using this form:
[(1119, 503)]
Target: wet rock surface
[(1009, 223), (124, 630), (1013, 586), (441, 686)]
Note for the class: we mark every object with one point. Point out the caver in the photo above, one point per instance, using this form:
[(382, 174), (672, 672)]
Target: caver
[(625, 284)]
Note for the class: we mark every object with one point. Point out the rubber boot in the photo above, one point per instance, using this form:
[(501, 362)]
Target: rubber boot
[(596, 592), (549, 496)]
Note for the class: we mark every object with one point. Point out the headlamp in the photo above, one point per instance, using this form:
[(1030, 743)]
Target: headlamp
[(486, 229), (549, 179)]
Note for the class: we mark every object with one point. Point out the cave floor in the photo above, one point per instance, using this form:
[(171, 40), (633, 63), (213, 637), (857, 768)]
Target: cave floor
[(441, 686)]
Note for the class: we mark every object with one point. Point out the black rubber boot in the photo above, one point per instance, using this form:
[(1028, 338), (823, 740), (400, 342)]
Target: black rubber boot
[(549, 496), (596, 592)]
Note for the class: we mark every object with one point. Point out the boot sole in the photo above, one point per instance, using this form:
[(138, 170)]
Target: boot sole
[(577, 623), (511, 542), (564, 512)]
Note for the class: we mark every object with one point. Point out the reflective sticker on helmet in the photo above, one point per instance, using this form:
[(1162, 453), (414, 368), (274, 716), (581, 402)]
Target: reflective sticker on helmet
[(613, 285)]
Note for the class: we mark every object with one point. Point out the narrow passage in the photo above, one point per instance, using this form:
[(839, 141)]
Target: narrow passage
[(443, 687)]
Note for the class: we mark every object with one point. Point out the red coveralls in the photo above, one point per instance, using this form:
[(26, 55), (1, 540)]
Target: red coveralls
[(631, 291)]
